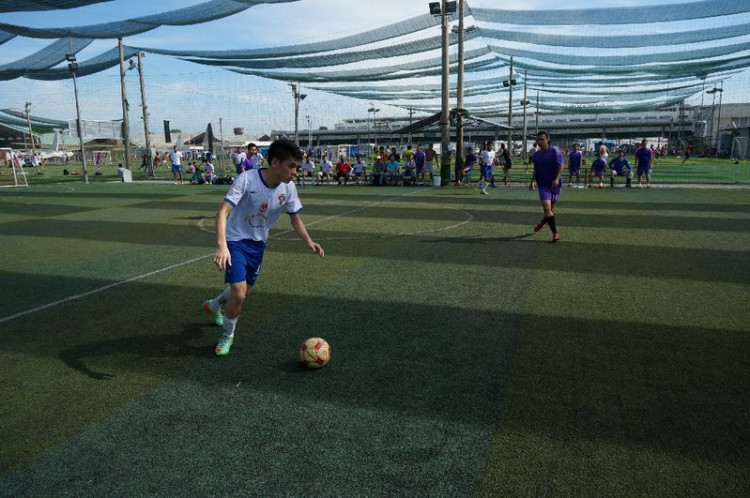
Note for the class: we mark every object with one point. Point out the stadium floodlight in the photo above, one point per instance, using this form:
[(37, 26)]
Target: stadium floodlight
[(435, 9)]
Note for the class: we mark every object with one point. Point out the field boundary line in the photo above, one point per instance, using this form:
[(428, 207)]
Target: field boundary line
[(171, 267)]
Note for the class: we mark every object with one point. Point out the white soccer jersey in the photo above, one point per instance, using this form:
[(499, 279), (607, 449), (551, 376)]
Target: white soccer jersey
[(256, 206), (176, 157), (488, 157), (238, 158), (326, 166), (256, 159)]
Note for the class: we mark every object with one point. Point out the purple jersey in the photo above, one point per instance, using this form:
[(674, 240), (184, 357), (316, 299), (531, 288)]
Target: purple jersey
[(598, 166), (419, 158), (548, 164), (575, 160), (643, 157)]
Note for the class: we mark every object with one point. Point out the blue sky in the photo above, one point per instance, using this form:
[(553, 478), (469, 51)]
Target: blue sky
[(256, 105)]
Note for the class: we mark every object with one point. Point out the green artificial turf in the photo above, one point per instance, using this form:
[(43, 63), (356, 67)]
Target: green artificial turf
[(470, 356)]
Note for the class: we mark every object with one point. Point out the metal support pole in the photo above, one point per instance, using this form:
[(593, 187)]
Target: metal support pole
[(445, 153), (525, 130), (460, 86), (27, 107), (150, 160), (510, 106), (125, 105), (80, 132)]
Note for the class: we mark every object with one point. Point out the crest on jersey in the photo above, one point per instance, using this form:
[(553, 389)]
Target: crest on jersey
[(282, 198), (264, 207)]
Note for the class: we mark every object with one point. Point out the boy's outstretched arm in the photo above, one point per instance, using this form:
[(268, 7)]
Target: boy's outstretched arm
[(299, 227)]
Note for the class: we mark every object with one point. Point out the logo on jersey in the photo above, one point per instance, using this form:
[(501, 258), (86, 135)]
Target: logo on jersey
[(264, 207), (282, 198)]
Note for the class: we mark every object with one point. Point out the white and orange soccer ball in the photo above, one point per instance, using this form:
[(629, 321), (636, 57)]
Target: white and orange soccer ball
[(315, 352)]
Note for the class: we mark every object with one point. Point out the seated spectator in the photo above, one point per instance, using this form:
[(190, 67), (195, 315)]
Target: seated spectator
[(597, 170), (619, 166), (378, 171), (410, 170), (306, 170), (209, 173), (393, 170), (360, 170), (325, 170), (343, 170)]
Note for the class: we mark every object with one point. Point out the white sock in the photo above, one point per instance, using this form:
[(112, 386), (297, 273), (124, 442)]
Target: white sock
[(221, 300), (229, 325)]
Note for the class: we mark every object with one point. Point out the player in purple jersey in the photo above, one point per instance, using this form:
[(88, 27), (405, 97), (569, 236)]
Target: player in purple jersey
[(548, 167), (252, 206), (575, 160), (597, 170), (643, 157)]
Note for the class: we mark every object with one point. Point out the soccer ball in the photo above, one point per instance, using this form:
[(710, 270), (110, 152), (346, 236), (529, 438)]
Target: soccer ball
[(315, 352)]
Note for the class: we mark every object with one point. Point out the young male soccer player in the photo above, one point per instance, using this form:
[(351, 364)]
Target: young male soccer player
[(548, 168), (253, 205), (619, 166)]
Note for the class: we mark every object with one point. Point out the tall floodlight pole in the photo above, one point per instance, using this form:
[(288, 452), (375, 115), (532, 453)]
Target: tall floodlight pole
[(445, 142), (297, 97), (221, 137), (525, 103), (718, 120), (537, 112), (73, 67), (460, 87), (27, 107), (125, 105), (150, 160), (511, 82)]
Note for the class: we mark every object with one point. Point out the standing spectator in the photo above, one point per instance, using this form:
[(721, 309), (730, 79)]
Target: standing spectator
[(254, 158), (420, 160), (430, 156), (548, 167), (506, 161), (238, 159), (176, 157), (643, 157), (575, 160), (688, 151)]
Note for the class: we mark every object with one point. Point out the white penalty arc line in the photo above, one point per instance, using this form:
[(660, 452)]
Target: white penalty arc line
[(171, 267)]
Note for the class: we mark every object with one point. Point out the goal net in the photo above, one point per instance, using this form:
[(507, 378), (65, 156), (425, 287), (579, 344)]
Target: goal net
[(12, 173)]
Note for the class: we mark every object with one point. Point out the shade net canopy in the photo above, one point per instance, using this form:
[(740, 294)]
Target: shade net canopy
[(569, 59)]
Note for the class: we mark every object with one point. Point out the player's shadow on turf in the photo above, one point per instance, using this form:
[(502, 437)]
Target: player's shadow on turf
[(141, 346)]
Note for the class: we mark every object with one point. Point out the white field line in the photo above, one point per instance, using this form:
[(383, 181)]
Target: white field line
[(171, 267)]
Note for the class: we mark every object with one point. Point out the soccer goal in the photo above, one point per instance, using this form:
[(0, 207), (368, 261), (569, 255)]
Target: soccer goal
[(12, 173), (99, 157), (739, 148)]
